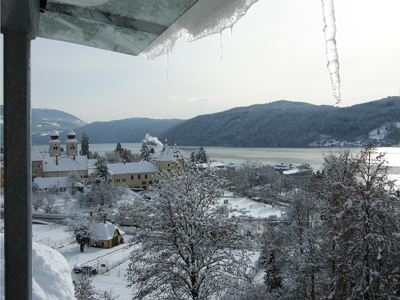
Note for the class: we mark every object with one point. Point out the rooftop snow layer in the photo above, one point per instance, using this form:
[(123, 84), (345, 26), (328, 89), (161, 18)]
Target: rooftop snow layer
[(132, 168), (204, 18), (65, 163), (105, 231), (50, 182)]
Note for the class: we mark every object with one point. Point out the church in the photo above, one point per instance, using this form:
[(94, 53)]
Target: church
[(60, 162)]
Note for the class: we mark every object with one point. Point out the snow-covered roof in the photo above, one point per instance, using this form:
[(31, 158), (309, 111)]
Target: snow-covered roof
[(65, 163), (169, 154), (105, 231), (50, 182), (91, 163), (205, 17), (36, 155), (132, 168)]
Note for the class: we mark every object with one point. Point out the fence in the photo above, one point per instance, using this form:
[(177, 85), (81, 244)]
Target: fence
[(57, 244)]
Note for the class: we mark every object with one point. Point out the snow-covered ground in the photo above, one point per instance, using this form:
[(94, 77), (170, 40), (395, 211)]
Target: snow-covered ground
[(116, 258), (249, 208)]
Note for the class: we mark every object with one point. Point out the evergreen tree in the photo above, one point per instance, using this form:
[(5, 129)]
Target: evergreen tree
[(192, 157), (118, 148), (201, 156), (85, 145), (102, 168), (81, 230)]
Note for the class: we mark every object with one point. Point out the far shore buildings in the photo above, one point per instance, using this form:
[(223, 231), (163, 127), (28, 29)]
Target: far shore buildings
[(59, 164)]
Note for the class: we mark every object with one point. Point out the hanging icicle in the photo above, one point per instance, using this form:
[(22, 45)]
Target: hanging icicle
[(167, 58), (221, 53), (328, 12)]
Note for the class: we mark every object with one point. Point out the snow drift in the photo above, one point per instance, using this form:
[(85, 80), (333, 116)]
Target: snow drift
[(51, 277)]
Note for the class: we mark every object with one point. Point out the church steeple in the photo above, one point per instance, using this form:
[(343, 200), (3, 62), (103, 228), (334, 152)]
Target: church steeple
[(71, 144), (54, 144)]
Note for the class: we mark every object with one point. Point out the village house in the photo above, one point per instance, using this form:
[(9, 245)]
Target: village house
[(136, 175), (170, 158), (106, 235)]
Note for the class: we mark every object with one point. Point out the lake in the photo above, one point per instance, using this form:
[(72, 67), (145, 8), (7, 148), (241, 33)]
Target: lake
[(271, 156)]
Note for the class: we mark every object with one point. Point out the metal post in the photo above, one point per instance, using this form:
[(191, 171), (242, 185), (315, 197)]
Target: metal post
[(18, 220)]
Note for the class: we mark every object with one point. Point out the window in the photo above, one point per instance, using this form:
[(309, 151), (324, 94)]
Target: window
[(131, 177), (138, 177), (145, 176)]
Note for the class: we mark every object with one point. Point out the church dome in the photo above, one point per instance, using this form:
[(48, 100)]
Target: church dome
[(54, 135), (71, 135)]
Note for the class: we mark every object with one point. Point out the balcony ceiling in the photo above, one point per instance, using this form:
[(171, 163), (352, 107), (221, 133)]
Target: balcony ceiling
[(125, 26)]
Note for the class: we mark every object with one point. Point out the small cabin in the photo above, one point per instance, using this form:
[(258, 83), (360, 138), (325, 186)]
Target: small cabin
[(106, 235)]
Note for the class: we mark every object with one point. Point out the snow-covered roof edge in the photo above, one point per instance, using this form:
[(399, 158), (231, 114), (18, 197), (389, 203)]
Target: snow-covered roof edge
[(206, 17)]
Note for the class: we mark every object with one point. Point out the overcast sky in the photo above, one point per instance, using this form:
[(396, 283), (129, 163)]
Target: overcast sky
[(276, 51)]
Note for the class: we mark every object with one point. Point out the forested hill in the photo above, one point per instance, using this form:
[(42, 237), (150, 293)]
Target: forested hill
[(127, 130), (292, 124)]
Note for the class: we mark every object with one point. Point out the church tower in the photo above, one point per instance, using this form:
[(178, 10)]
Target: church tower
[(54, 144), (71, 144)]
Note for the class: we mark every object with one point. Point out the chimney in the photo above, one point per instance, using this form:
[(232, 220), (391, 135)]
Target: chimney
[(56, 159)]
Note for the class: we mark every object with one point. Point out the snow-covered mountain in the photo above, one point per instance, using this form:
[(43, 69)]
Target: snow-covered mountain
[(44, 121)]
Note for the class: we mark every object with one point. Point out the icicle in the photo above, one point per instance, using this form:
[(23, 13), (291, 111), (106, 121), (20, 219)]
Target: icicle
[(221, 54), (328, 12), (167, 58), (230, 31)]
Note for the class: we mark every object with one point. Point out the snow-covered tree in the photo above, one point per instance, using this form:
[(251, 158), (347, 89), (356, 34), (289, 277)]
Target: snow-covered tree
[(118, 148), (369, 236), (102, 168), (272, 259), (49, 201), (84, 289), (146, 151), (188, 247), (81, 230), (192, 157), (85, 145), (340, 235), (103, 197), (201, 156), (37, 199)]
